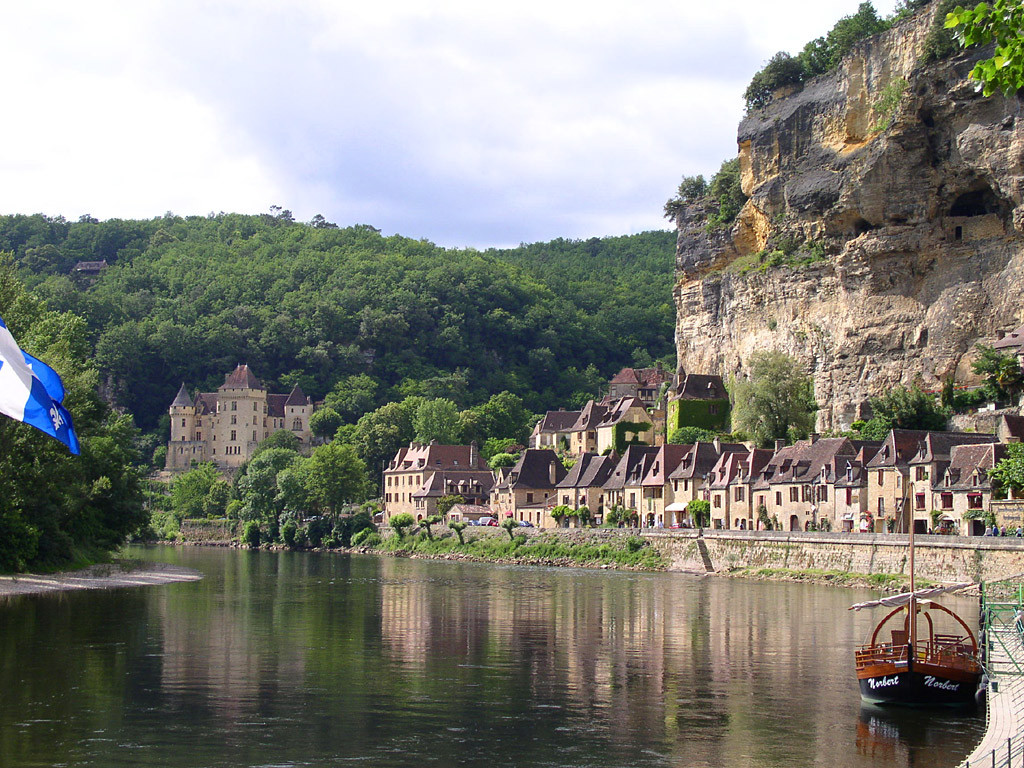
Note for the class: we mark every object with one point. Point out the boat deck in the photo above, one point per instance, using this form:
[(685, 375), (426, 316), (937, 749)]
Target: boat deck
[(1003, 743)]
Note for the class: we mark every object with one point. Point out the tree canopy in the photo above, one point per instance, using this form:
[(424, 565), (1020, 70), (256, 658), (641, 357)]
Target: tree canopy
[(1000, 22), (776, 401)]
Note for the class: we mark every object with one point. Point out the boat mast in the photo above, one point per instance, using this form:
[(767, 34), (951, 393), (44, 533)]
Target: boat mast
[(912, 605)]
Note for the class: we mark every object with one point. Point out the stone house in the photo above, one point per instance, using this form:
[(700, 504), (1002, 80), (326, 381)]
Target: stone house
[(226, 426), (732, 480), (698, 400), (846, 505), (583, 432), (473, 485), (626, 469), (413, 467), (656, 486), (583, 485), (554, 428), (643, 383), (961, 491), (528, 490), (625, 423), (927, 467), (689, 477)]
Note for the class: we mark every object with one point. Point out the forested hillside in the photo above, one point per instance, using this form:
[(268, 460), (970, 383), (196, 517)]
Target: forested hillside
[(347, 309)]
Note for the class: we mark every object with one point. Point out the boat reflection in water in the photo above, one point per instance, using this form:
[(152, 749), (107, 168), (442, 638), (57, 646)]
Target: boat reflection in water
[(914, 738)]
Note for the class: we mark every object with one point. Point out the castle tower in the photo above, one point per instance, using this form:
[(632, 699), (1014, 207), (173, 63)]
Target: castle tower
[(297, 410), (241, 416), (180, 451)]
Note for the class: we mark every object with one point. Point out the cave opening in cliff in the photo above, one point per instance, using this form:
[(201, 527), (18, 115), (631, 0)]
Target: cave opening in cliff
[(977, 202)]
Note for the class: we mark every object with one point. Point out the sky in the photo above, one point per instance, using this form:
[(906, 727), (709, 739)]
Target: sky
[(467, 124)]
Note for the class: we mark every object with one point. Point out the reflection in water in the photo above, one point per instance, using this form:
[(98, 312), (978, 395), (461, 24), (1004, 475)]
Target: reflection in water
[(319, 659)]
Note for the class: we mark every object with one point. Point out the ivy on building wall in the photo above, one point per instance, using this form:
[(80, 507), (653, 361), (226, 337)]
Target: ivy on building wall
[(634, 428), (698, 413)]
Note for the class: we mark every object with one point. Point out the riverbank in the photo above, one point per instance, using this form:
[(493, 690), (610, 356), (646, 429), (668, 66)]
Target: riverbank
[(120, 573)]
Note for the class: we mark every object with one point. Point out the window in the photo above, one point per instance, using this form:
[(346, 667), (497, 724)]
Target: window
[(529, 498), (919, 501), (947, 501), (849, 496), (822, 493), (183, 422), (234, 405), (254, 406), (778, 498), (881, 477), (297, 425), (199, 435), (234, 419), (717, 500), (738, 493), (712, 409), (234, 436), (794, 494), (974, 501), (254, 435), (920, 473)]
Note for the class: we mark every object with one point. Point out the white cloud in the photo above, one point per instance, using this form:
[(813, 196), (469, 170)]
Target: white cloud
[(466, 123)]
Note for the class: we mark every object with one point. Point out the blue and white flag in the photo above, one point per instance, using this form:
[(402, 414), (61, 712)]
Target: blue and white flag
[(32, 392)]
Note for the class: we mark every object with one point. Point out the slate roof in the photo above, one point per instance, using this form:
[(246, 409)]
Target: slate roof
[(937, 446), (182, 399), (1013, 340), (700, 386), (557, 421), (590, 471), (701, 459), (898, 448), (665, 461), (633, 455), (206, 402), (464, 482), (620, 409), (241, 378), (729, 469), (589, 417), (965, 462), (275, 405), (533, 470), (297, 397)]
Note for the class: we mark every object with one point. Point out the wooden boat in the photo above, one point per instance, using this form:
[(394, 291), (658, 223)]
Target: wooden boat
[(908, 661)]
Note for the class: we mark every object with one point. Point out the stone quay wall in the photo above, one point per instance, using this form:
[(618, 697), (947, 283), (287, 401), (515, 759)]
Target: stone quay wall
[(937, 558)]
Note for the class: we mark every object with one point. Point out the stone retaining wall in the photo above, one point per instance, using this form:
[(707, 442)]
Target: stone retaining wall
[(938, 558)]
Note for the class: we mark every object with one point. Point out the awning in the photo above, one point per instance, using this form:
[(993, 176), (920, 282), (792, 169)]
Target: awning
[(903, 598), (848, 516), (676, 506)]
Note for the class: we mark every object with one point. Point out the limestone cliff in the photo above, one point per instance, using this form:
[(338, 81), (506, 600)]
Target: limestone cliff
[(911, 234)]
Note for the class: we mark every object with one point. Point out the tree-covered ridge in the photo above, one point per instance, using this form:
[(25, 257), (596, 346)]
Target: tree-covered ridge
[(186, 299)]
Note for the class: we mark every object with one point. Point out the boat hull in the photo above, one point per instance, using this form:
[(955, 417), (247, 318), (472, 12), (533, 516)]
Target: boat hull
[(923, 685)]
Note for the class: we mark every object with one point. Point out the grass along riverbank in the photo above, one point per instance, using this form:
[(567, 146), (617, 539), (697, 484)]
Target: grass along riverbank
[(631, 552)]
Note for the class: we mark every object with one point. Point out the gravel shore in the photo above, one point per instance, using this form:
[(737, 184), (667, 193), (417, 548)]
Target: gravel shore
[(104, 576)]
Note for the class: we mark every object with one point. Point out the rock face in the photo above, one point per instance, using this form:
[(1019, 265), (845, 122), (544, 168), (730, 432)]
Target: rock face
[(915, 226)]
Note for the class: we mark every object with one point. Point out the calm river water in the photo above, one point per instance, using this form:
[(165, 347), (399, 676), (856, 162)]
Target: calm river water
[(295, 659)]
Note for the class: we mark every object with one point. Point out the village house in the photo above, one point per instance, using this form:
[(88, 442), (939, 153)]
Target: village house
[(645, 384), (626, 468), (626, 422), (846, 502), (657, 488), (226, 426), (528, 490), (473, 486), (583, 485), (960, 491), (583, 432), (554, 430), (688, 478), (413, 469), (889, 486), (698, 400)]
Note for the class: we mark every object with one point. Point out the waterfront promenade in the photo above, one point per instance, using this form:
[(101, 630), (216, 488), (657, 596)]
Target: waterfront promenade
[(1003, 744)]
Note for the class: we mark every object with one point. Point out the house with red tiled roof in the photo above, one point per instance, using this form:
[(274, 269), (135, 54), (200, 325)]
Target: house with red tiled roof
[(646, 384), (656, 488), (473, 486), (226, 426), (427, 468)]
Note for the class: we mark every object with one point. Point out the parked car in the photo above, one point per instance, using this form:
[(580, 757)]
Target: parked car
[(486, 520), (525, 524)]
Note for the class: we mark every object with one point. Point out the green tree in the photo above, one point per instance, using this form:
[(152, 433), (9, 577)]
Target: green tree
[(1003, 374), (429, 521), (445, 503), (258, 489), (1008, 473), (503, 415), (902, 408), (400, 522), (776, 401), (335, 476), (511, 526), (700, 511), (691, 435), (281, 439), (1001, 22), (324, 423), (189, 491), (378, 435), (437, 420), (500, 460), (780, 71), (353, 396), (458, 526), (251, 534)]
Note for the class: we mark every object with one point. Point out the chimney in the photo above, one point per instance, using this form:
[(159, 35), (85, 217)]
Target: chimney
[(814, 437), (472, 455), (552, 473), (717, 442), (779, 445)]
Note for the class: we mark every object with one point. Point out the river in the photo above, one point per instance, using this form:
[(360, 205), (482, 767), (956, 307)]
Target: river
[(310, 659)]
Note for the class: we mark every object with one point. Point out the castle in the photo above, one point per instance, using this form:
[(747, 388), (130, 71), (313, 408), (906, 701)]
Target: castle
[(226, 426)]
